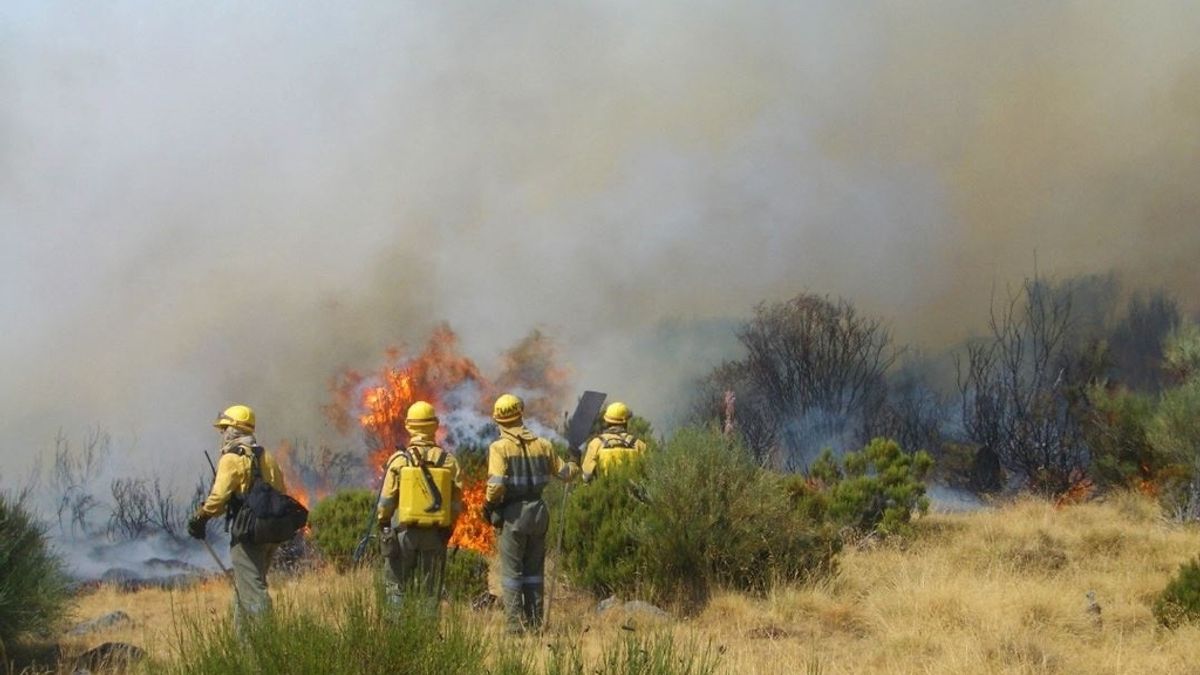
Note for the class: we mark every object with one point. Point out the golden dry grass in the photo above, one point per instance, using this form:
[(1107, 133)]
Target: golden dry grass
[(996, 591)]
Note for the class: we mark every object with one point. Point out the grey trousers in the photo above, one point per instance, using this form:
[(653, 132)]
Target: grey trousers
[(523, 562), (414, 563), (250, 564)]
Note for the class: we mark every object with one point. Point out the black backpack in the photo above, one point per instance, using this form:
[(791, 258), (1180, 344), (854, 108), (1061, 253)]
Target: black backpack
[(266, 515)]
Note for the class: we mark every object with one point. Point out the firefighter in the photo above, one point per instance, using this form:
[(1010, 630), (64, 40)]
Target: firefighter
[(519, 466), (417, 508), (232, 481), (614, 444)]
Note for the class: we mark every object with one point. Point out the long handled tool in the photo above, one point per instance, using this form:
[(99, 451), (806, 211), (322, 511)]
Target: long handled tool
[(224, 570), (578, 429)]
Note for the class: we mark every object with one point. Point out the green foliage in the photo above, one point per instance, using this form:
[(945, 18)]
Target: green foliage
[(1181, 352), (695, 515), (338, 523), (1179, 602), (599, 548), (466, 573), (1116, 429), (33, 582), (716, 519), (356, 633), (875, 489)]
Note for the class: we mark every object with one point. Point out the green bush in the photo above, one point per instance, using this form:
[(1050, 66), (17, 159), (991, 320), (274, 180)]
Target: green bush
[(1116, 429), (716, 519), (1179, 602), (466, 574), (876, 489), (599, 549), (33, 581), (338, 523)]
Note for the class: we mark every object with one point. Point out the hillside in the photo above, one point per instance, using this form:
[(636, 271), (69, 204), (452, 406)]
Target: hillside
[(998, 590)]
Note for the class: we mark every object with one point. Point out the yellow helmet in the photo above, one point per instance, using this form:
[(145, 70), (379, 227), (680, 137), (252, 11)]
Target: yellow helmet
[(237, 416), (420, 414), (616, 413), (508, 408)]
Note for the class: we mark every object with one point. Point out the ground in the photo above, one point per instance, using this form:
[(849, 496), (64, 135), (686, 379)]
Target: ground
[(1000, 590)]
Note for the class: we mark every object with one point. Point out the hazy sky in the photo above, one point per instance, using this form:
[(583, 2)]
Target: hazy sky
[(203, 203)]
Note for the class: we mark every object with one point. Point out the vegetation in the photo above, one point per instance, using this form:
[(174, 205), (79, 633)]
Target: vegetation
[(33, 585), (367, 637), (1179, 602), (338, 523), (876, 489), (697, 515)]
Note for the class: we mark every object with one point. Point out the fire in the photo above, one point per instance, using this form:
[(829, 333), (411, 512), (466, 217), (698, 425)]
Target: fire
[(471, 531), (375, 404)]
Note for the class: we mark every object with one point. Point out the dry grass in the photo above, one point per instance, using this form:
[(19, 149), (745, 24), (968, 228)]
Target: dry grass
[(998, 591)]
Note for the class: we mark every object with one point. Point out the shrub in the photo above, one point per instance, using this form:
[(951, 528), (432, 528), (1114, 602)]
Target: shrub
[(33, 581), (600, 551), (716, 519), (338, 524), (1179, 602), (876, 489), (466, 573)]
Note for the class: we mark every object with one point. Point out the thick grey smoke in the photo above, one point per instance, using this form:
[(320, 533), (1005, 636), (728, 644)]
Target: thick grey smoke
[(219, 202)]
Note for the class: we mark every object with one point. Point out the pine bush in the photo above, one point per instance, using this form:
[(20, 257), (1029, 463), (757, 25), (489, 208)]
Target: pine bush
[(1179, 602), (338, 524), (33, 582), (876, 489), (599, 549)]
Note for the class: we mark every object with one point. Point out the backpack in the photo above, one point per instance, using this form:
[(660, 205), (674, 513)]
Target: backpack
[(266, 515), (616, 450)]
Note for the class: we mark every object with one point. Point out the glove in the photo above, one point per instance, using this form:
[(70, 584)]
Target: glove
[(492, 513), (389, 546), (196, 526)]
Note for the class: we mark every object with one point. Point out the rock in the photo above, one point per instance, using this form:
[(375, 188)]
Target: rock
[(109, 655), (608, 603), (110, 620), (644, 608)]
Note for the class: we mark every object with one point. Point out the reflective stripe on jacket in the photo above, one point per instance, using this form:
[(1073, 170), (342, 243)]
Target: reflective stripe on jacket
[(520, 464)]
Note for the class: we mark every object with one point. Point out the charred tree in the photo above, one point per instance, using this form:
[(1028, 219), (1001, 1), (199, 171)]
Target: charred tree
[(1017, 390)]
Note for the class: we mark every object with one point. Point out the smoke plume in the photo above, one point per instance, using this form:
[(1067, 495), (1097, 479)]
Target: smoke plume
[(219, 203)]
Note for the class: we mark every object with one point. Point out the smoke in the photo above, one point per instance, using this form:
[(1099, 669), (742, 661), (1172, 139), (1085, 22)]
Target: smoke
[(220, 203)]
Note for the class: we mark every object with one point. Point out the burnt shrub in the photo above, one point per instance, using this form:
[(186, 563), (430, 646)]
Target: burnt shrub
[(33, 582)]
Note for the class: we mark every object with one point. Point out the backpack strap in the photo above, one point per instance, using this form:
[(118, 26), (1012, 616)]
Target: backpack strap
[(255, 464)]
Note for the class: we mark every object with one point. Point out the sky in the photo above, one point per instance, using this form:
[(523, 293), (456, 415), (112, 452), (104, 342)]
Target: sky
[(209, 203)]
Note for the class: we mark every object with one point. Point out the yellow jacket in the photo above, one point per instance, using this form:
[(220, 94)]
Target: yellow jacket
[(234, 478), (389, 494), (520, 464), (610, 437)]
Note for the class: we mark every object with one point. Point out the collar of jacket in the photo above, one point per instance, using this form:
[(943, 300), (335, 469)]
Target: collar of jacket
[(517, 433), (615, 429)]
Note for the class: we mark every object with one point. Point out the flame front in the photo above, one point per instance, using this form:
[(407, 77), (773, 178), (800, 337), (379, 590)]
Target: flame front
[(471, 531)]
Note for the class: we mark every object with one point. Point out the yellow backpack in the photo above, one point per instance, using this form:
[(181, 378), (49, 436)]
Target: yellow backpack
[(617, 448), (425, 493)]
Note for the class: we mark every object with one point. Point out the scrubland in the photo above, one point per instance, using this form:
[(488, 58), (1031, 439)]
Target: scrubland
[(999, 590)]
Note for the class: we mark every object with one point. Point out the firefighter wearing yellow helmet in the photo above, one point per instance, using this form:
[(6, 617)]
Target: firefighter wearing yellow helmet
[(614, 444), (520, 465), (239, 450), (420, 499)]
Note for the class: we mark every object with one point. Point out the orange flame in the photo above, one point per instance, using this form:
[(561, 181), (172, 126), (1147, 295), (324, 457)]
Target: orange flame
[(376, 403), (471, 531)]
